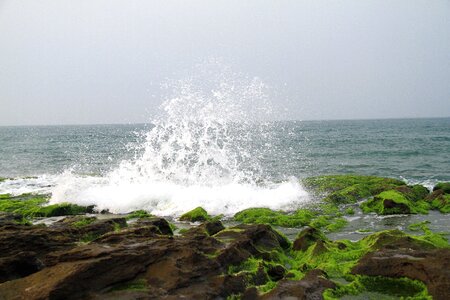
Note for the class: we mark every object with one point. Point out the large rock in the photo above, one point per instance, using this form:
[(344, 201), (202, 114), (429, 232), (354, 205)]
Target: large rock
[(141, 262), (311, 287), (429, 266)]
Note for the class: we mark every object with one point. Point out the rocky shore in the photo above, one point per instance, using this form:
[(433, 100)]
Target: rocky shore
[(67, 251)]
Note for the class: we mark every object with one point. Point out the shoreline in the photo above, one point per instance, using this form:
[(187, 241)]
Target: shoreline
[(257, 254)]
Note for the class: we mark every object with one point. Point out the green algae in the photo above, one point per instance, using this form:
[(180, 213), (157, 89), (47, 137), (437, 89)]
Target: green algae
[(444, 186), (394, 202), (395, 287), (61, 209), (301, 217), (83, 222), (32, 206), (133, 285), (349, 211), (198, 214), (350, 188), (23, 207), (338, 257), (138, 214), (441, 203)]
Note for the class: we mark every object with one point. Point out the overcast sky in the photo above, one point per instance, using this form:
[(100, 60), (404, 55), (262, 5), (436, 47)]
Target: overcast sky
[(102, 61)]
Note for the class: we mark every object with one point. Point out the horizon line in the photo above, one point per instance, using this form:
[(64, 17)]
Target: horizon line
[(286, 120)]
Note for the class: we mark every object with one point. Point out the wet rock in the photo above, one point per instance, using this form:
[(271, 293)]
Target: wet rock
[(160, 223), (19, 265), (249, 240), (138, 262), (198, 214), (429, 266), (276, 272), (310, 287), (9, 218), (307, 237), (213, 227)]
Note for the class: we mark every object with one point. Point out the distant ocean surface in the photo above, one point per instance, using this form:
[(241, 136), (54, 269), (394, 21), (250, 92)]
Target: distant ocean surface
[(415, 150)]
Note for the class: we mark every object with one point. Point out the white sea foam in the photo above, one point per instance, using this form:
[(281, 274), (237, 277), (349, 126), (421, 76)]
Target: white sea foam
[(195, 155), (39, 185)]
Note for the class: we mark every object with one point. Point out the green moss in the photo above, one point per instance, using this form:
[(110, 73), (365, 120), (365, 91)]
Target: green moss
[(300, 217), (445, 186), (393, 202), (270, 285), (117, 227), (350, 188), (138, 214), (62, 209), (442, 203), (89, 237), (338, 257), (250, 265), (349, 211), (83, 222), (29, 206), (419, 192), (395, 287), (133, 285), (196, 215), (19, 206), (336, 225)]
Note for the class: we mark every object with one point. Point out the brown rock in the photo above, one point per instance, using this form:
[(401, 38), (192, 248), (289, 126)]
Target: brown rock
[(429, 266), (310, 287), (306, 238)]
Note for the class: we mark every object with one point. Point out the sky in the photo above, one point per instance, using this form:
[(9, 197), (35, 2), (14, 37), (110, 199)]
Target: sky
[(104, 61)]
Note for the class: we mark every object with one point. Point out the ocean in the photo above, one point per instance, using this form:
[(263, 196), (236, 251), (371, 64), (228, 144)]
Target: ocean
[(175, 164)]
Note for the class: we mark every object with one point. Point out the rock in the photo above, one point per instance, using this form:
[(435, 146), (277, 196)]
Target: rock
[(249, 240), (429, 266), (394, 202), (439, 200), (444, 186), (196, 215), (19, 265), (207, 228), (9, 218), (160, 223), (139, 262), (276, 272), (306, 238), (350, 188), (310, 287), (213, 227)]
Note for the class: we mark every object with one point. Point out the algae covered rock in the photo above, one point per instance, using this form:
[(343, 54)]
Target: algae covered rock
[(429, 266), (350, 188), (393, 202), (444, 186), (440, 198), (307, 237), (198, 214), (261, 215)]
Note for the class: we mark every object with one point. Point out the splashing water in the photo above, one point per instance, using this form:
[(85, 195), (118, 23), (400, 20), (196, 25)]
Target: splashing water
[(196, 154)]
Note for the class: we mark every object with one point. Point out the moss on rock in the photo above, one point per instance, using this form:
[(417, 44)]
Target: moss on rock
[(138, 214), (31, 206), (350, 188), (198, 214), (394, 202), (300, 217), (394, 287), (444, 186)]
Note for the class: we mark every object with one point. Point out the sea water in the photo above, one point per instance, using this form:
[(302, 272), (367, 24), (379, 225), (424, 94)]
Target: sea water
[(214, 145)]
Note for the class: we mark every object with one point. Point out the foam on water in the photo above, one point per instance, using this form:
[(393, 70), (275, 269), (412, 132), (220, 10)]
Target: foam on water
[(195, 155), (38, 185)]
